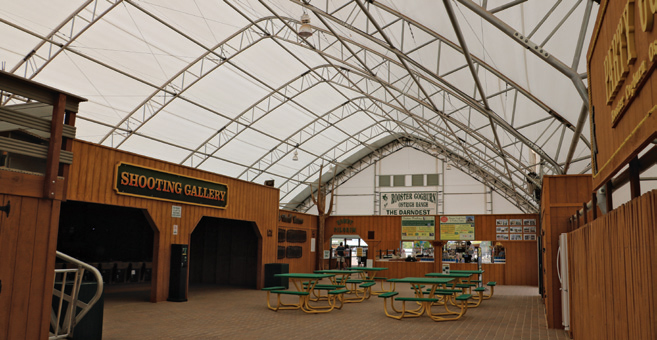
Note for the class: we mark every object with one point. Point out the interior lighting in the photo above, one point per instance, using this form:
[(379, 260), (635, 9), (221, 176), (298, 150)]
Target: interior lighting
[(295, 156), (305, 31)]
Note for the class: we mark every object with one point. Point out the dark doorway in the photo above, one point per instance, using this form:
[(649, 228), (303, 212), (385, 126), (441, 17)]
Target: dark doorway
[(224, 252), (116, 240)]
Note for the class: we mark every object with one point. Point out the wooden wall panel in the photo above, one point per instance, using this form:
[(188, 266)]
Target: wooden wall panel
[(613, 254), (561, 197), (521, 263), (305, 264), (92, 180), (27, 250)]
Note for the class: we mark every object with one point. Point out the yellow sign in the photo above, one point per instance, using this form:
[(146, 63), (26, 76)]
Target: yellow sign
[(457, 228), (418, 228)]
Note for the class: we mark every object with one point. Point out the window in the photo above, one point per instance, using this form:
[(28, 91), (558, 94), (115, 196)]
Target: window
[(384, 181), (399, 180), (417, 180), (432, 180), (417, 249)]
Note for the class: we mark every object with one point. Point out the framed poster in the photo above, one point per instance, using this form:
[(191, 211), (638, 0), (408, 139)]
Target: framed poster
[(501, 222), (529, 221), (418, 228), (529, 229), (502, 236), (515, 221), (516, 237), (501, 229), (530, 237), (457, 228), (516, 230)]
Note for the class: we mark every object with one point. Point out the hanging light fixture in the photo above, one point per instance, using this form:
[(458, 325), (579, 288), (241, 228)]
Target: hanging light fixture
[(305, 31), (295, 156)]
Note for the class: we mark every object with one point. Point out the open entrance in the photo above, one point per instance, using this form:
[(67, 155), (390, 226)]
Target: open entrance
[(224, 252), (355, 252), (116, 240)]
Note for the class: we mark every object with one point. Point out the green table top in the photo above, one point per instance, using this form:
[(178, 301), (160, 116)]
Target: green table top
[(425, 280), (338, 271), (452, 275), (467, 271), (304, 275), (372, 269)]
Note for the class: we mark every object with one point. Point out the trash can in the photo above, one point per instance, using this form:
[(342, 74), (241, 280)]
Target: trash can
[(276, 268)]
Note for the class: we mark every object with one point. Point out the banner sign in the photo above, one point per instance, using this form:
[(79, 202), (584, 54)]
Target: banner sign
[(149, 183), (418, 228), (409, 203), (457, 228)]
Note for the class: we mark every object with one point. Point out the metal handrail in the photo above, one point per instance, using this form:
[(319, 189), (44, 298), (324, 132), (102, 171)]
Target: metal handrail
[(71, 316)]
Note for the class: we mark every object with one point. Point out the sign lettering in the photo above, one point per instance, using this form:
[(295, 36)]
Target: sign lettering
[(133, 180), (409, 203)]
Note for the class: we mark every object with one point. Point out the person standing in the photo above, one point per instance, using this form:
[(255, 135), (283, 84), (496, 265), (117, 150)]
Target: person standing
[(347, 257), (339, 252)]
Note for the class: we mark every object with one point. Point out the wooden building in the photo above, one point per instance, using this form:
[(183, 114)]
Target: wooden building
[(385, 232)]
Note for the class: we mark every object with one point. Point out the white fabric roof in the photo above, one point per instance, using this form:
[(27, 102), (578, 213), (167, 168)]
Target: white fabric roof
[(230, 87)]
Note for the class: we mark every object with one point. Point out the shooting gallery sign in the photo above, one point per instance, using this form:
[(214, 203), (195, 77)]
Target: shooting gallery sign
[(133, 180)]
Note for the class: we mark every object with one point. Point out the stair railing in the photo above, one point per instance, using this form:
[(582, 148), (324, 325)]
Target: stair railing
[(63, 319)]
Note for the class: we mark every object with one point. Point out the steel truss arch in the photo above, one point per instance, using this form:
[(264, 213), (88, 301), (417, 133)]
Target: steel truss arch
[(472, 102), (167, 95), (304, 203), (283, 148)]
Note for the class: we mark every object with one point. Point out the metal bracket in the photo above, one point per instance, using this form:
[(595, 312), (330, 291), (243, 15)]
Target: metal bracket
[(6, 208)]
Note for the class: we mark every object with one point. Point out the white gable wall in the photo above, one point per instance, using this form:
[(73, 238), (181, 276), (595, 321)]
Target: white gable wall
[(459, 193)]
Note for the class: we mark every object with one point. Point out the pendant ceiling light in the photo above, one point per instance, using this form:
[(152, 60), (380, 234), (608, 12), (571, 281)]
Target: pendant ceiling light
[(305, 30)]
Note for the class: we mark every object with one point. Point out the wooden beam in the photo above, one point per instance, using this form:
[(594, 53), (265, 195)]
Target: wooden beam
[(54, 147), (42, 93)]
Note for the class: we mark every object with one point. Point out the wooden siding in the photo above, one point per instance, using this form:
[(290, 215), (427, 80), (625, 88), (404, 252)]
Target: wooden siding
[(613, 271), (561, 197), (521, 267), (28, 239), (91, 179), (305, 264), (617, 145)]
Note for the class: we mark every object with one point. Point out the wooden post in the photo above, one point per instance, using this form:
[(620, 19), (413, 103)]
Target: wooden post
[(54, 147), (594, 205), (635, 182), (322, 214), (586, 215), (609, 187)]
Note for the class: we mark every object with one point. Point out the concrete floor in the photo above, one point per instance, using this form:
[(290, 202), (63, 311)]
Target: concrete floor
[(220, 312)]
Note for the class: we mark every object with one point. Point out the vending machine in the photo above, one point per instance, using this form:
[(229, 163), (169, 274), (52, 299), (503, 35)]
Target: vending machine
[(178, 273)]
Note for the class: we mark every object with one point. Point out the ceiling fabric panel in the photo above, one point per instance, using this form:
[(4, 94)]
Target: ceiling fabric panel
[(232, 87)]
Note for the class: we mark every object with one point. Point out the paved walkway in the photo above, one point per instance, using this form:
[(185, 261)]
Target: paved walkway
[(219, 312)]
